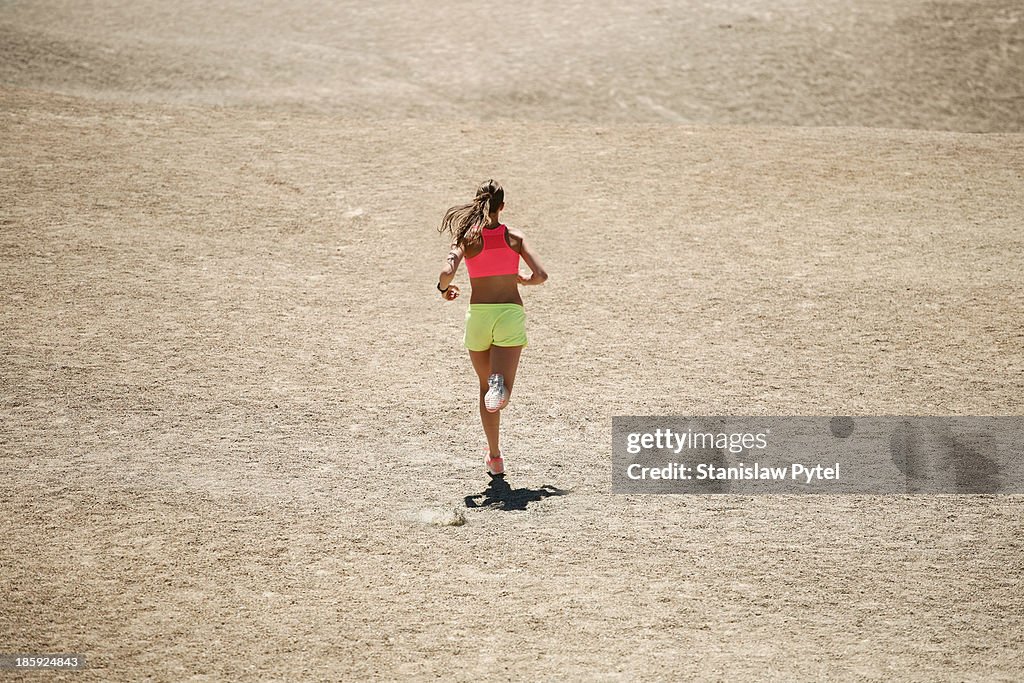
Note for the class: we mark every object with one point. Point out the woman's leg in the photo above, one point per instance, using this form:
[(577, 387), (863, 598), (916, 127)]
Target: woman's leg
[(504, 361), (491, 421)]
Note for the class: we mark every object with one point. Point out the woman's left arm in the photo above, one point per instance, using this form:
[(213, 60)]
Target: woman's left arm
[(449, 291)]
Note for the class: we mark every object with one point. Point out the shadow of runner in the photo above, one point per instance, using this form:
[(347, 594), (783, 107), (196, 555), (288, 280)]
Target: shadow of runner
[(503, 497)]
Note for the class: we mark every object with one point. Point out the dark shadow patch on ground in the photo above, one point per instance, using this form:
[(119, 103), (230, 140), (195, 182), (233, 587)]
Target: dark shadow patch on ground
[(500, 495)]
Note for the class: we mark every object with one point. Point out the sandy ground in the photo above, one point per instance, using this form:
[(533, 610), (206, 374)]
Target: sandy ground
[(237, 426)]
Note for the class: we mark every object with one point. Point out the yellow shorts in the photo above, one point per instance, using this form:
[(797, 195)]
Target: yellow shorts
[(494, 324)]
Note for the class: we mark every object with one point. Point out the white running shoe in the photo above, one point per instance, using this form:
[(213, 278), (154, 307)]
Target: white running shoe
[(496, 396)]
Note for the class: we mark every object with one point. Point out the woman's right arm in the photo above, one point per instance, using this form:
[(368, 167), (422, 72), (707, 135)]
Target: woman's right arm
[(538, 274)]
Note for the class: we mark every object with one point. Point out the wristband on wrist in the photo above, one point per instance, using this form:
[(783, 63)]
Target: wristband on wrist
[(442, 290)]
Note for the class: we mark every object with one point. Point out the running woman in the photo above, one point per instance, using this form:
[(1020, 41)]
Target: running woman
[(495, 322)]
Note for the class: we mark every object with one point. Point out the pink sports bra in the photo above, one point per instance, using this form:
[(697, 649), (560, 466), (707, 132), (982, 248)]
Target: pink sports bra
[(496, 257)]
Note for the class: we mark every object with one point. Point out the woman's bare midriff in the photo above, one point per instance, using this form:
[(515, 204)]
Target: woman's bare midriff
[(496, 289)]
